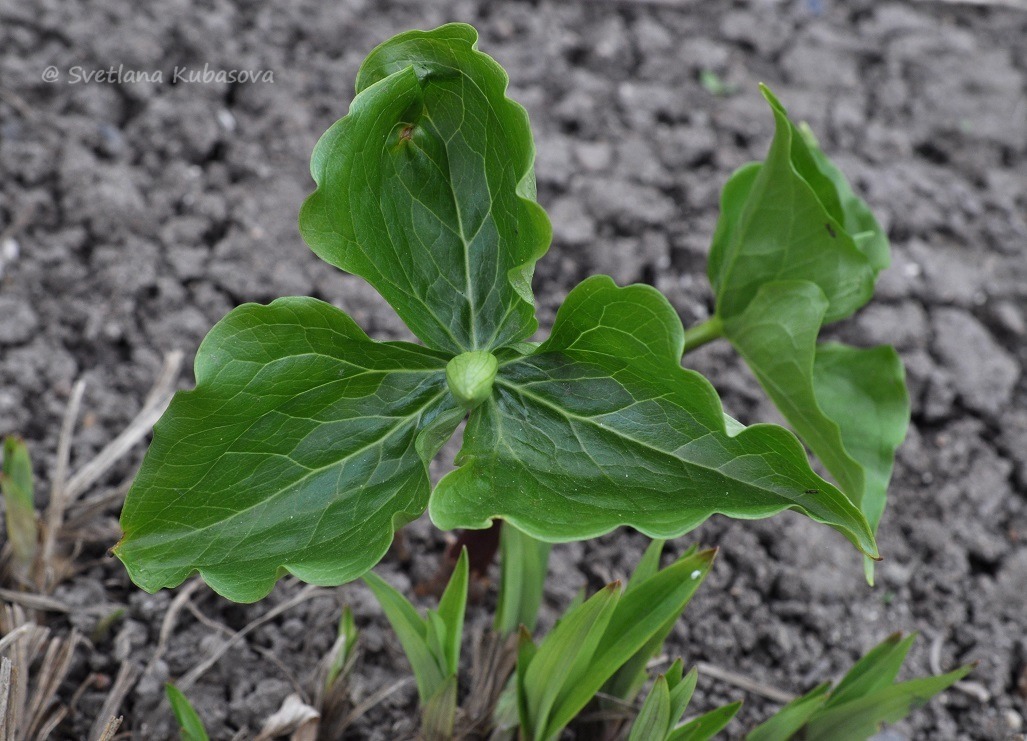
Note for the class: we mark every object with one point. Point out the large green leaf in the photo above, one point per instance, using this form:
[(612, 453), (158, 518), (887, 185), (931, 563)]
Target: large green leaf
[(850, 405), (426, 189), (838, 197), (864, 389), (602, 427), (302, 448), (777, 336), (782, 220)]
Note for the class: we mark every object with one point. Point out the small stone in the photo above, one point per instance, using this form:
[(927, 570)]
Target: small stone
[(594, 156), (18, 321), (571, 224), (1009, 317), (983, 372)]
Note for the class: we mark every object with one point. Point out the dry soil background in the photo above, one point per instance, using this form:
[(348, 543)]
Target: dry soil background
[(135, 215)]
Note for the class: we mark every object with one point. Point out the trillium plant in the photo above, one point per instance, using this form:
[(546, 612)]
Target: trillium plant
[(306, 444)]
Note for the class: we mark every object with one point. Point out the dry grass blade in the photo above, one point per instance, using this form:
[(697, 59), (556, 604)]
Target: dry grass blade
[(53, 670), (6, 671), (373, 700), (34, 601), (83, 513), (293, 717), (23, 640), (493, 661), (976, 690), (110, 729), (127, 675), (156, 402), (744, 683), (199, 670), (58, 493), (168, 624)]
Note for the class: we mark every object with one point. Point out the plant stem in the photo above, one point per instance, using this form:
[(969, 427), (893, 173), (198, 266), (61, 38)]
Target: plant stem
[(700, 334)]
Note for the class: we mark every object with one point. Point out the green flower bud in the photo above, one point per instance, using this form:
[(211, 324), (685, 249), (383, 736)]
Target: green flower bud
[(470, 376)]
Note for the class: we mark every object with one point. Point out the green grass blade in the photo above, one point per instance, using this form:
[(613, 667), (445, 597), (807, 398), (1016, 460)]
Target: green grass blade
[(189, 723), (705, 726), (653, 719), (412, 631), (523, 565)]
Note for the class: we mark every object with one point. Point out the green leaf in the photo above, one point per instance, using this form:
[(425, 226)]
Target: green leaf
[(562, 657), (777, 336), (865, 391), (653, 719), (190, 725), (787, 721), (629, 678), (414, 634), (452, 606), (681, 689), (638, 616), (845, 206), (774, 225), (343, 651), (439, 713), (427, 190), (523, 564), (861, 718), (303, 447), (875, 671), (648, 565), (705, 726), (601, 427), (850, 405), (17, 487)]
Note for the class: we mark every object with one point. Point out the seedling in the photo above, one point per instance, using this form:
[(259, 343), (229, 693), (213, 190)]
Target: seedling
[(306, 443), (17, 486), (432, 644), (864, 700), (190, 725)]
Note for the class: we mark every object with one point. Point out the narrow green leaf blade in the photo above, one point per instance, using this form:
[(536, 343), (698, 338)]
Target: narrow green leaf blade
[(647, 566), (629, 678), (705, 726), (601, 427), (414, 633), (653, 720), (681, 691), (17, 486), (787, 721), (426, 190), (524, 562), (774, 226), (862, 718), (438, 716), (638, 617), (875, 671), (301, 450), (189, 723), (561, 657), (452, 606)]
